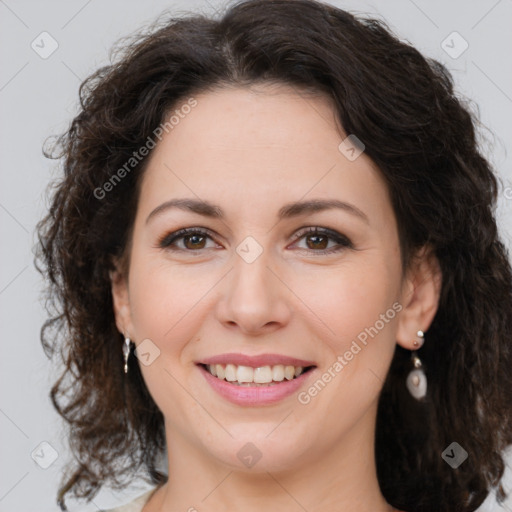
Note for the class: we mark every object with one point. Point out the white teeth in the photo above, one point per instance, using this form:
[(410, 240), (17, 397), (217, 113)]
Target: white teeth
[(219, 371), (230, 372), (278, 373), (245, 375), (289, 372), (262, 375)]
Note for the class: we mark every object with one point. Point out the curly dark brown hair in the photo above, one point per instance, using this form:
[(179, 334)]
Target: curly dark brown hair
[(403, 107)]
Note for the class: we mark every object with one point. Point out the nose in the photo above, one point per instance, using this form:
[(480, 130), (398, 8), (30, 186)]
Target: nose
[(254, 298)]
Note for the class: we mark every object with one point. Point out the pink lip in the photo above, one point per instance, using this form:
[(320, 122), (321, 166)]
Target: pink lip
[(254, 395), (256, 361)]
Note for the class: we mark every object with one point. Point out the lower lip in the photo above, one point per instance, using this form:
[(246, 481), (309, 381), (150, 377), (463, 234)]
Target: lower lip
[(255, 395)]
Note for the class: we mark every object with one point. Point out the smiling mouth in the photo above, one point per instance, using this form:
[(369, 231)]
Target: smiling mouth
[(255, 377)]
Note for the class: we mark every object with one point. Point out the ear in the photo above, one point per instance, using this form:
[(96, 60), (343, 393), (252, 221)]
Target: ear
[(420, 297), (121, 300)]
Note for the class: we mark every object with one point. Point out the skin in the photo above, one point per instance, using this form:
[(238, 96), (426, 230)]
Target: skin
[(251, 151)]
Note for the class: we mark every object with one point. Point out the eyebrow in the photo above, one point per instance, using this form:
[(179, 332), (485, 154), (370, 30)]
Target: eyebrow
[(288, 211)]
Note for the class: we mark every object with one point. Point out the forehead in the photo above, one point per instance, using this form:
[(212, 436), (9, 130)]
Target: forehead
[(270, 116), (257, 144)]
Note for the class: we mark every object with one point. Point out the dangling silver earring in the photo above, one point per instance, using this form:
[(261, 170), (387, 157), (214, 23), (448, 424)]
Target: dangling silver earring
[(126, 353), (417, 380)]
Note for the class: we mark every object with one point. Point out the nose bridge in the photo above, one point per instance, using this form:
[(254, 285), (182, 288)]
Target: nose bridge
[(253, 297), (250, 280), (251, 274)]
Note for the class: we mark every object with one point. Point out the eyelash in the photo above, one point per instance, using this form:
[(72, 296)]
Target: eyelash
[(343, 242)]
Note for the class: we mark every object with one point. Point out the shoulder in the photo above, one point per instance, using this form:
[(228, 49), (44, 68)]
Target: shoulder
[(135, 505)]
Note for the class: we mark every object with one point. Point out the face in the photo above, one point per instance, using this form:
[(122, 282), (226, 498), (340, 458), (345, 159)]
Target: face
[(258, 283)]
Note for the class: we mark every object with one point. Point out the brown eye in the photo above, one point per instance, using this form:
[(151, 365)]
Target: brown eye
[(194, 241), (187, 239), (317, 240)]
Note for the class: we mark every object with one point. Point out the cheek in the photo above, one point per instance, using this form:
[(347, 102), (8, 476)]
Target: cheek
[(349, 300), (165, 305), (358, 309), (163, 297)]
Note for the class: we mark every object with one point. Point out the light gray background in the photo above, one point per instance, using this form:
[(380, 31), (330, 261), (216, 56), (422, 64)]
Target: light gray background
[(38, 98)]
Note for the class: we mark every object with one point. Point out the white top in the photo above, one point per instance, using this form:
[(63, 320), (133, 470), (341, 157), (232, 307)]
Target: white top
[(134, 506)]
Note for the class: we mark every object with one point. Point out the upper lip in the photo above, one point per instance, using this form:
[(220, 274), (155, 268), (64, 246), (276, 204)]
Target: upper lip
[(256, 361)]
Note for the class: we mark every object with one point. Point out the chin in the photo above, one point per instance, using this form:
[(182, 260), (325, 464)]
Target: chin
[(253, 451)]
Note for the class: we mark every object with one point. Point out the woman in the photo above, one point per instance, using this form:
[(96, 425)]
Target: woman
[(274, 255)]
